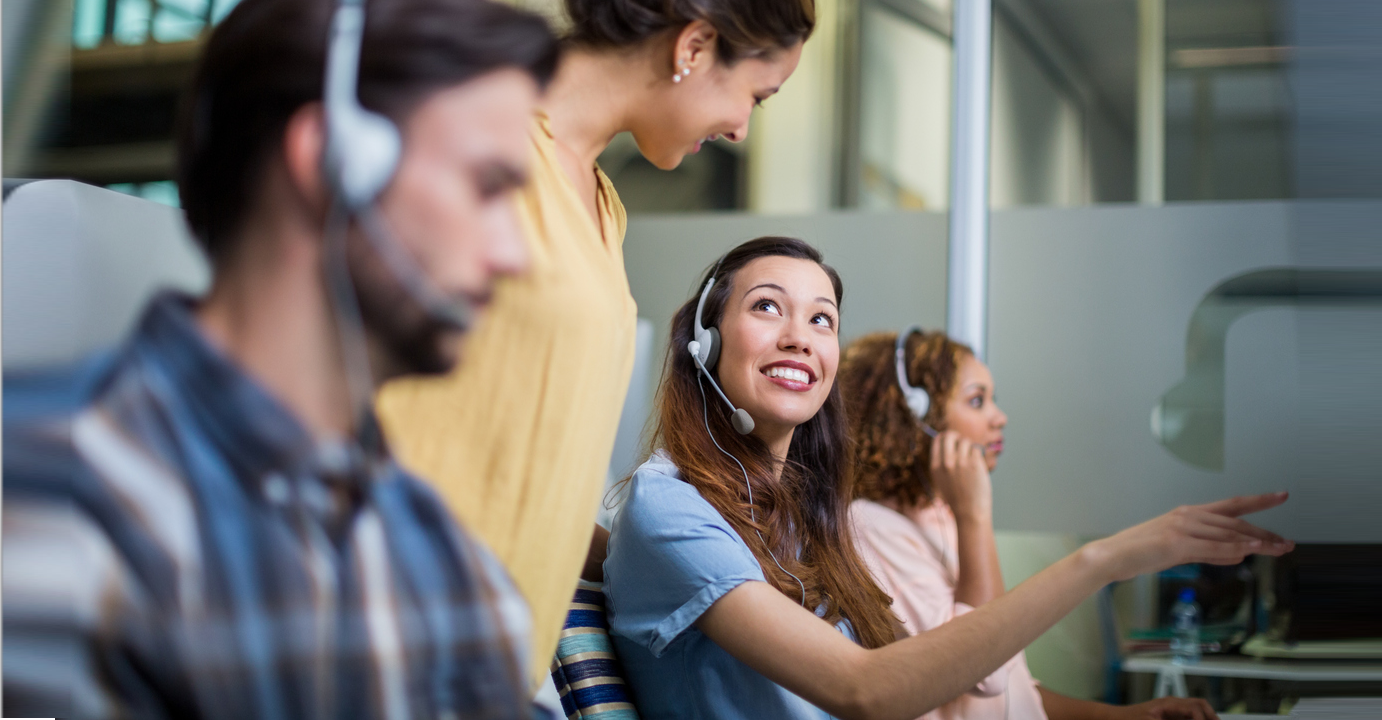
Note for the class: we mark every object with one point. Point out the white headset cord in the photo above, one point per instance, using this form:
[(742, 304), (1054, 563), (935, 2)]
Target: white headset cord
[(705, 414)]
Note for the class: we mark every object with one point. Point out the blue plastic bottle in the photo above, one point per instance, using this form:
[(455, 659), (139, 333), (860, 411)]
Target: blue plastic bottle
[(1185, 628)]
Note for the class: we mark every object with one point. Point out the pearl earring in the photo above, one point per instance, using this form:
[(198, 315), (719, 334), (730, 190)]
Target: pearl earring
[(685, 71)]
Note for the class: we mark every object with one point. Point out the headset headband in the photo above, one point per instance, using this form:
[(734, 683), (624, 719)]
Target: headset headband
[(700, 305), (901, 355)]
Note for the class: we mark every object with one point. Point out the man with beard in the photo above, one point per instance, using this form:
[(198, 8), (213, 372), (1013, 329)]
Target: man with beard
[(205, 523)]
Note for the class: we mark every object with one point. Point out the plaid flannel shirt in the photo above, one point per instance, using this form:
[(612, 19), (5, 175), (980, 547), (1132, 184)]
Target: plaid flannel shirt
[(177, 546)]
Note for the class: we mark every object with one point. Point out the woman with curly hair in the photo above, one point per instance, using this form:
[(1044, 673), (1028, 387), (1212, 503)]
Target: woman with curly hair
[(927, 432)]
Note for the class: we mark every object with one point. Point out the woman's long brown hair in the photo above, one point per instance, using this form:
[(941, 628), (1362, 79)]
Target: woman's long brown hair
[(803, 516)]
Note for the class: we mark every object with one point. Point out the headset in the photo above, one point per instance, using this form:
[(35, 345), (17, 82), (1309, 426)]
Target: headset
[(918, 400), (360, 159), (705, 351)]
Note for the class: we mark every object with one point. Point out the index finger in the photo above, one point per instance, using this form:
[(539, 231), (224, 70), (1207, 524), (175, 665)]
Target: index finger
[(1246, 504)]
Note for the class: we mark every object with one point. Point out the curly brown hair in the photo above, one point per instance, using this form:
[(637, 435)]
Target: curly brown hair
[(892, 454)]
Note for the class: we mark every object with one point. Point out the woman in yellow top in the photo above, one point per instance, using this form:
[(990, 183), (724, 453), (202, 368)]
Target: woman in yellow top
[(518, 440)]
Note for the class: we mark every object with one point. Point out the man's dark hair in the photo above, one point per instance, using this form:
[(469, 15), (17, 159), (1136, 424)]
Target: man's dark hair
[(267, 59)]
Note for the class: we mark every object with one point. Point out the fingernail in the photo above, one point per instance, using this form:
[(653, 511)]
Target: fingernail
[(1254, 543)]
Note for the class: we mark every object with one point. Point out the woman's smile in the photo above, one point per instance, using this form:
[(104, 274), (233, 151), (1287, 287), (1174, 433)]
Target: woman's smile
[(791, 375)]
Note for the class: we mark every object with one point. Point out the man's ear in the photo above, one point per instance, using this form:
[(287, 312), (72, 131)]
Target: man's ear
[(695, 44), (304, 141)]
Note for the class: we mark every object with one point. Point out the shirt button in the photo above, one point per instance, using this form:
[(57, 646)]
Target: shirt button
[(276, 489)]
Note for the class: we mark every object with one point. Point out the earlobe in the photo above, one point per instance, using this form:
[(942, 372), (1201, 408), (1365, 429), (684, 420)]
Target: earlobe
[(304, 139)]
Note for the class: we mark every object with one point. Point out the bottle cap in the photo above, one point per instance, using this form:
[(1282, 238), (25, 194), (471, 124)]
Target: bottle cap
[(1187, 595)]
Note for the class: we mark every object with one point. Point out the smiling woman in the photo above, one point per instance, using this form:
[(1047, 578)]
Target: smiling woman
[(775, 304), (781, 491), (734, 589), (519, 440)]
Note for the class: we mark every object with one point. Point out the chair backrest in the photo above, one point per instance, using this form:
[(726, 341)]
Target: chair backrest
[(80, 262), (586, 672)]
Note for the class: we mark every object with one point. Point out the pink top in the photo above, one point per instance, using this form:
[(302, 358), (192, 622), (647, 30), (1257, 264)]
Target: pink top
[(915, 558)]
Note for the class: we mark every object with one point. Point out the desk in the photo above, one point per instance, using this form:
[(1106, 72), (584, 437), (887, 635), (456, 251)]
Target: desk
[(1171, 677)]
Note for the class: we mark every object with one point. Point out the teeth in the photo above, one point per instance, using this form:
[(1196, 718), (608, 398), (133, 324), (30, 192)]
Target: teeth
[(787, 373)]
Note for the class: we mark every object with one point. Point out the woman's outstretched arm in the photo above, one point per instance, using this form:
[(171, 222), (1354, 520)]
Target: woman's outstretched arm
[(789, 645)]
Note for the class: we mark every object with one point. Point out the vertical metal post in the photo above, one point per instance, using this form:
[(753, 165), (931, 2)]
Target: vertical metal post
[(967, 279), (1151, 101)]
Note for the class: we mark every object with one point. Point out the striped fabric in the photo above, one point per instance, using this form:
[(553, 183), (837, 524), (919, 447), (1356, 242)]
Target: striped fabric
[(585, 670)]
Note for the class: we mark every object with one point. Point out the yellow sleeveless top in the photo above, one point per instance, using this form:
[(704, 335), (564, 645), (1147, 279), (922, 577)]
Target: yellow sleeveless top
[(517, 440)]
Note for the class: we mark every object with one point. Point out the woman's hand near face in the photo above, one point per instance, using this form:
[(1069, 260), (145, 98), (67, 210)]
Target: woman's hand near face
[(960, 476), (1209, 533)]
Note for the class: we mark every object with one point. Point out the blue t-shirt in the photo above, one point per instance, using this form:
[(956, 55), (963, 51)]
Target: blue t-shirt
[(671, 556)]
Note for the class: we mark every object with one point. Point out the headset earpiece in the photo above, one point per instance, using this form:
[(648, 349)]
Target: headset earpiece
[(710, 344), (707, 337), (362, 172), (917, 399)]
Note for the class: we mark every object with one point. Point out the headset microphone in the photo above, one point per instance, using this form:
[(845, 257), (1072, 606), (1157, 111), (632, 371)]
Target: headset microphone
[(739, 418), (705, 350), (453, 311)]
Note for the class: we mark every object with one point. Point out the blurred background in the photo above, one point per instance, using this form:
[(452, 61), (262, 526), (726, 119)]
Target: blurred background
[(1185, 270), (91, 87)]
